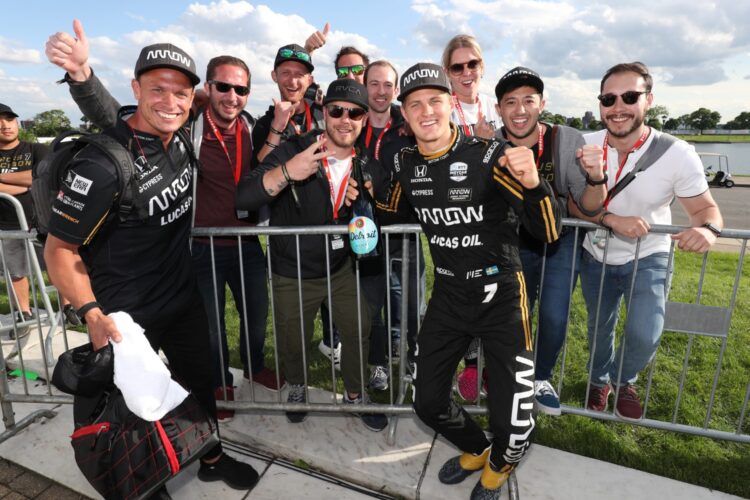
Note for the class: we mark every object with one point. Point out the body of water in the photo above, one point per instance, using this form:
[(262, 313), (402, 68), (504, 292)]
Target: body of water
[(738, 154)]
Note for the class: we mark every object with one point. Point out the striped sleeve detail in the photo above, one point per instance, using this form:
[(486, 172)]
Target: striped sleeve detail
[(393, 200), (508, 182), (524, 306), (96, 229), (548, 214)]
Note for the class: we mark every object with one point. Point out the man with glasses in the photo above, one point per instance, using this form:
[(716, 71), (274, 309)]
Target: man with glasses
[(304, 183), (573, 170), (666, 168), (221, 135)]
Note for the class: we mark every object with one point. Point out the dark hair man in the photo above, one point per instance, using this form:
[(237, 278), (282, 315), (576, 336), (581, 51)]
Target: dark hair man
[(573, 170), (221, 134), (17, 160), (304, 182), (141, 265), (470, 194), (670, 168)]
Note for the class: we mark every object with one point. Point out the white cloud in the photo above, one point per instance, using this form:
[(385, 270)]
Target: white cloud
[(13, 54)]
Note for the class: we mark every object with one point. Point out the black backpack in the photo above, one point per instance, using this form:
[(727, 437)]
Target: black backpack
[(50, 173)]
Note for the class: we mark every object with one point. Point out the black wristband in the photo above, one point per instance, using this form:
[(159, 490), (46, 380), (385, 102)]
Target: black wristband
[(271, 145), (601, 219), (274, 131), (601, 181), (81, 312), (286, 173)]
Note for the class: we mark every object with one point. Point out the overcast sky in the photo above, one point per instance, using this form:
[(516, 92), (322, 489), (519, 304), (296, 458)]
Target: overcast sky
[(699, 53)]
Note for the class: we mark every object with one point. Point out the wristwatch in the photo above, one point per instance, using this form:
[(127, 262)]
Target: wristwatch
[(711, 227), (592, 182)]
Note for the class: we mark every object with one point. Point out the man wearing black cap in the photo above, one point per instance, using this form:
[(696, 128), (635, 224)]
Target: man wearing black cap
[(17, 159), (470, 194), (292, 114), (304, 183), (574, 171), (142, 264)]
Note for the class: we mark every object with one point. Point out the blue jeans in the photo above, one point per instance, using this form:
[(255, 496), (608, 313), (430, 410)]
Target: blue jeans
[(227, 268), (645, 317), (556, 290)]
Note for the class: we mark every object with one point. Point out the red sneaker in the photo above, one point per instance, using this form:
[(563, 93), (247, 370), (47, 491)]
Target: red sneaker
[(219, 393), (628, 403), (598, 398), (267, 378), (466, 383)]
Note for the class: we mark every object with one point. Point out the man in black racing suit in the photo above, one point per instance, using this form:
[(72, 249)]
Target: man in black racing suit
[(470, 195)]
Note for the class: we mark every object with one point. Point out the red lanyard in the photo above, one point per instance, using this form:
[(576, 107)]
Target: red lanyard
[(540, 146), (368, 137), (238, 142), (308, 120), (624, 159), (460, 110), (337, 200)]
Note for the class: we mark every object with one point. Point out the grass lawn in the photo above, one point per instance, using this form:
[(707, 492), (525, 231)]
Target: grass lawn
[(715, 138)]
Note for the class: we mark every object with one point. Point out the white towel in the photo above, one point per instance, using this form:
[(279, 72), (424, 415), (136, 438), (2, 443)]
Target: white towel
[(140, 374)]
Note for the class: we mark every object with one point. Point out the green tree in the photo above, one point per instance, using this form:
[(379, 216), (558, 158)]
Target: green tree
[(672, 124), (654, 123), (50, 123), (741, 121), (595, 124), (576, 123), (88, 126), (554, 119), (704, 118), (657, 112), (26, 135)]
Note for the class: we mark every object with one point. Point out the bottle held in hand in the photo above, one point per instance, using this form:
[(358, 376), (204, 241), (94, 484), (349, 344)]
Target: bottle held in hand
[(364, 234)]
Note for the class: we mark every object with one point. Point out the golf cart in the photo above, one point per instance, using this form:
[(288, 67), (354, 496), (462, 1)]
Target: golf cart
[(721, 177)]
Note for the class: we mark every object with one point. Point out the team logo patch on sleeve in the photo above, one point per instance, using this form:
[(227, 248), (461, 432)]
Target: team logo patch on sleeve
[(458, 171), (81, 185)]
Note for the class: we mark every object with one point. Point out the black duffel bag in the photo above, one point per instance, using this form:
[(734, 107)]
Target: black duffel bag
[(119, 453)]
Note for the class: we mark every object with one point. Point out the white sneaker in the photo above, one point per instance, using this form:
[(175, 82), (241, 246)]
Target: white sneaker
[(327, 351), (379, 378)]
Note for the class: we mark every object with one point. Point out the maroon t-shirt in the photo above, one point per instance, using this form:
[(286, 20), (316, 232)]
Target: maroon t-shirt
[(216, 182)]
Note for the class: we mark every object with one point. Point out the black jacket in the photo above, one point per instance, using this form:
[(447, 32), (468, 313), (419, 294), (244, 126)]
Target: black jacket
[(315, 210)]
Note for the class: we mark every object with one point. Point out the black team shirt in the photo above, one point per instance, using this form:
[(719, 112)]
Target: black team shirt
[(142, 265)]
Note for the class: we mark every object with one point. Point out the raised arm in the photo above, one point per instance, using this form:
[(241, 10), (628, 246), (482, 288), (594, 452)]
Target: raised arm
[(72, 54)]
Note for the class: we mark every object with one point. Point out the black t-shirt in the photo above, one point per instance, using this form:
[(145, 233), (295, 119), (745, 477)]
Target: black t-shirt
[(298, 124), (142, 265), (23, 157)]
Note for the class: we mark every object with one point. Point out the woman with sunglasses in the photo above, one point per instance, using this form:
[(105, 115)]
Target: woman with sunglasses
[(473, 112)]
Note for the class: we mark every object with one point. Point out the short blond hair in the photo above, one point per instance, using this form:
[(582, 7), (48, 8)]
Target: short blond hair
[(458, 42)]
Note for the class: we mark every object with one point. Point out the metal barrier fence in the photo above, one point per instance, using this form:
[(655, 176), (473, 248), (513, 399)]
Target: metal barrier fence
[(693, 319)]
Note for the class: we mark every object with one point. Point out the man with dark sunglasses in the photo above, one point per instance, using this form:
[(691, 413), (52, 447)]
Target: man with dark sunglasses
[(304, 184), (573, 172), (666, 168), (221, 135), (141, 265)]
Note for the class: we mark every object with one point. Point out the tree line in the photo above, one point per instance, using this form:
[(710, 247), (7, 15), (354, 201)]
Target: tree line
[(53, 122)]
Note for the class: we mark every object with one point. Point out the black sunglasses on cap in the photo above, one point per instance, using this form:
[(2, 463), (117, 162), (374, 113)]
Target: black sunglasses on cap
[(355, 114), (343, 71), (458, 68), (224, 87), (629, 97)]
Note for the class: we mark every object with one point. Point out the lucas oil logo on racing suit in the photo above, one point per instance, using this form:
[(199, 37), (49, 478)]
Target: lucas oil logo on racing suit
[(458, 171)]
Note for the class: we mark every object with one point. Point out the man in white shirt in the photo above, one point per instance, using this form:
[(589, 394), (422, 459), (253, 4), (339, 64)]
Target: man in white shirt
[(627, 217)]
